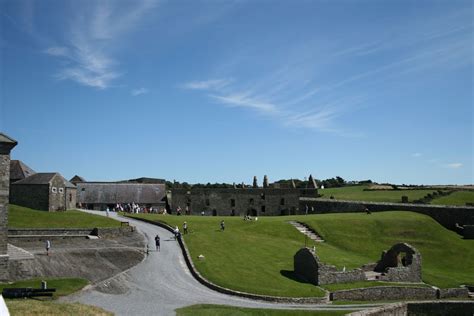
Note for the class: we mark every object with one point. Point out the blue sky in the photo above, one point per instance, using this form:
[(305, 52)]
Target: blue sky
[(220, 91)]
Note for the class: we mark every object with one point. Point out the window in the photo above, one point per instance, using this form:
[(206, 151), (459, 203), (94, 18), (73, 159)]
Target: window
[(208, 202), (54, 189), (61, 190), (282, 201), (232, 202), (251, 201), (263, 208), (83, 189), (70, 197)]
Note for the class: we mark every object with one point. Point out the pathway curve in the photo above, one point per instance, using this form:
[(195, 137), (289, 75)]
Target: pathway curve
[(162, 282)]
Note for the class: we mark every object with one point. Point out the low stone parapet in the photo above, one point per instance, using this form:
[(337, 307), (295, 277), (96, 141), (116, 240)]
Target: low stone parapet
[(381, 293), (432, 308), (62, 233)]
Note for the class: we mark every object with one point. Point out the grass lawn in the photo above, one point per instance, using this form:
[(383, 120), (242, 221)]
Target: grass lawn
[(355, 238), (63, 287), (204, 310), (357, 193), (51, 308), (23, 217), (455, 198), (257, 257)]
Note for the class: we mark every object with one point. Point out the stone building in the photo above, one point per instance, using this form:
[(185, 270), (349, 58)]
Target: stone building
[(76, 179), (241, 200), (44, 191), (6, 145), (100, 195), (19, 171)]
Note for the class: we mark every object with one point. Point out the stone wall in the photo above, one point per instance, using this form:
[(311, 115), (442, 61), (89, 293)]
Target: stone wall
[(51, 233), (396, 268), (308, 267), (384, 293), (447, 216), (240, 201), (433, 308), (35, 196), (6, 145)]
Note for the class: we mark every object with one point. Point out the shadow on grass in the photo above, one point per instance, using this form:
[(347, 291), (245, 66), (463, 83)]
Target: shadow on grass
[(292, 276)]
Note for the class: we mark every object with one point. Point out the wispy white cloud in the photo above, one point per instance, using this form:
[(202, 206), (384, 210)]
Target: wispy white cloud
[(454, 165), (139, 91), (416, 155), (212, 84), (87, 52), (242, 100)]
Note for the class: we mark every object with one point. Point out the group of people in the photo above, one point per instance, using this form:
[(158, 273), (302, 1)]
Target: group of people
[(136, 208)]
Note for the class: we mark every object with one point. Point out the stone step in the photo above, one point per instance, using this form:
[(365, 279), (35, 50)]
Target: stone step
[(306, 231)]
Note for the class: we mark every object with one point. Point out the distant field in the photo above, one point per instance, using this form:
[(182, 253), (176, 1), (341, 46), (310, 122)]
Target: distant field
[(23, 217), (257, 257), (357, 193), (455, 198)]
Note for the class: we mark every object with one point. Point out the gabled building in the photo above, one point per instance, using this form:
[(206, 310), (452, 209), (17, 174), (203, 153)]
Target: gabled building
[(76, 179), (19, 171), (44, 191), (100, 195)]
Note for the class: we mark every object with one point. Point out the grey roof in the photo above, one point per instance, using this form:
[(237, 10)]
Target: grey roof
[(19, 171), (77, 178), (43, 178), (113, 192), (6, 139)]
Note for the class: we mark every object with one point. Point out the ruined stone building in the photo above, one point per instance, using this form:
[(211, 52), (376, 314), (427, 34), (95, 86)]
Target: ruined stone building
[(100, 195), (6, 145), (270, 199), (44, 191)]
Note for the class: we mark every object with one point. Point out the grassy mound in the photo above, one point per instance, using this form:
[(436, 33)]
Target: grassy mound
[(354, 239), (205, 309), (357, 193), (455, 198), (23, 217), (257, 257)]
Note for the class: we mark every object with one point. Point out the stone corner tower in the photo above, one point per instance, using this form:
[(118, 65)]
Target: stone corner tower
[(6, 145)]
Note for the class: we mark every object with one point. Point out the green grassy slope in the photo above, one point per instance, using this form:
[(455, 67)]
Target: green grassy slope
[(357, 193), (257, 257), (248, 256), (23, 217), (356, 238), (455, 198)]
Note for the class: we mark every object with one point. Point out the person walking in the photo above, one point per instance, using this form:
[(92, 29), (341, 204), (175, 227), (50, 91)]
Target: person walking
[(222, 225), (157, 242), (47, 245), (176, 233), (185, 228)]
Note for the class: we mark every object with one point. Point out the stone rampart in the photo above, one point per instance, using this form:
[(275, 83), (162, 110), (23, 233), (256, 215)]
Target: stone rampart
[(53, 233), (384, 293), (432, 308), (447, 216)]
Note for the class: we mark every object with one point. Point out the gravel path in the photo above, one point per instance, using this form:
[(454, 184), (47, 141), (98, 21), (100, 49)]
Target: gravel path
[(162, 282)]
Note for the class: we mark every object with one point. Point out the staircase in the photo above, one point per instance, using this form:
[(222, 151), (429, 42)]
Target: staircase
[(16, 253), (306, 230)]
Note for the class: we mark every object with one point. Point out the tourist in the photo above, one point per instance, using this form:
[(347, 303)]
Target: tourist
[(157, 242), (176, 233), (48, 246), (222, 225), (202, 213), (178, 211), (107, 211), (367, 211), (185, 228)]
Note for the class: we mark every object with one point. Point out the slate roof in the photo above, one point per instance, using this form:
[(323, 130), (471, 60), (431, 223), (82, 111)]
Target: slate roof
[(113, 192), (43, 178), (76, 179), (19, 171), (6, 139)]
